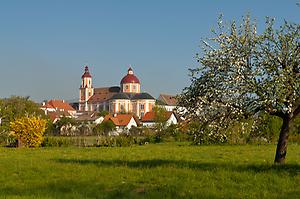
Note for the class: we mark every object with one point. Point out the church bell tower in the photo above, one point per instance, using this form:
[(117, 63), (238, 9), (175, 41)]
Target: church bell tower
[(86, 90)]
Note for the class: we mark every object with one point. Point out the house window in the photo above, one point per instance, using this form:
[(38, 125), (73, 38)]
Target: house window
[(142, 114), (122, 108), (142, 106), (126, 87)]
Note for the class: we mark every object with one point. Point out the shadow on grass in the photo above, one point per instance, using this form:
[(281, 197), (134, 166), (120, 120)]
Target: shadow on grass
[(90, 189), (291, 169)]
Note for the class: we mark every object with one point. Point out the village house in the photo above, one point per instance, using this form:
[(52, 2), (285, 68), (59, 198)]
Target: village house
[(149, 119), (127, 98), (89, 117), (168, 102), (123, 121), (56, 109)]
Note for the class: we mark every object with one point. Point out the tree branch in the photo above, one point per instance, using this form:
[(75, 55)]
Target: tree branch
[(296, 112)]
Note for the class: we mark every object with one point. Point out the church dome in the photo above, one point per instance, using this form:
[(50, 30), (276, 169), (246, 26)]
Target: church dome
[(130, 78)]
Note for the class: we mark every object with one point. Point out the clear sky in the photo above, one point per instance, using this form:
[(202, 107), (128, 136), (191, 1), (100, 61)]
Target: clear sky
[(44, 44)]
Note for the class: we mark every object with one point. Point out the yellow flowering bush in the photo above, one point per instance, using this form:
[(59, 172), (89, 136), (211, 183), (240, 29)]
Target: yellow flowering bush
[(29, 130)]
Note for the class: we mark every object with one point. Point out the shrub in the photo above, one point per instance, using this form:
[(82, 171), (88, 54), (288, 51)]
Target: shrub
[(267, 128), (135, 131), (116, 141), (104, 128), (7, 139), (57, 142), (206, 134), (29, 130)]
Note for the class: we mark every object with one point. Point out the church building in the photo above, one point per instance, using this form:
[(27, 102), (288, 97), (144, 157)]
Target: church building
[(126, 98)]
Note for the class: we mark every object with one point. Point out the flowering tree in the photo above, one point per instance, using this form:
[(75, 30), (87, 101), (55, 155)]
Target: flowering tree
[(29, 130), (242, 73)]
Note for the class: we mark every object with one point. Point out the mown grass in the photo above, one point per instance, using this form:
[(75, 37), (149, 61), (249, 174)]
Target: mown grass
[(172, 170)]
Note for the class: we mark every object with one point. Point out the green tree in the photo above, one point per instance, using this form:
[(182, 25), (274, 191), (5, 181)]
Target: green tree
[(16, 107), (160, 118), (103, 113), (242, 73), (64, 126), (104, 128)]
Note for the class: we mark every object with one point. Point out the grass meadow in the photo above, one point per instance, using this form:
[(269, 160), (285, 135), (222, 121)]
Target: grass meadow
[(168, 170)]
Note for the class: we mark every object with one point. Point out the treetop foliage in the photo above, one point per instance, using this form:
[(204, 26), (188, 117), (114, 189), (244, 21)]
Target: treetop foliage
[(16, 107), (243, 72)]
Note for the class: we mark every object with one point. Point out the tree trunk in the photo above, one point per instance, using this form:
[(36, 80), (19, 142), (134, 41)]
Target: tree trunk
[(19, 143), (281, 149)]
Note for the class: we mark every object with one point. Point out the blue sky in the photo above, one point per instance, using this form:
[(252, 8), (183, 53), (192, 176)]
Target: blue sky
[(44, 44)]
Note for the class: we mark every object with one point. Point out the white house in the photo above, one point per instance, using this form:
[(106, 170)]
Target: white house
[(56, 109), (123, 121), (149, 119)]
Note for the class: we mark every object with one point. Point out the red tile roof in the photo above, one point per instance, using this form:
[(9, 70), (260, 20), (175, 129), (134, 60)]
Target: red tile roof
[(150, 116), (58, 114), (53, 116), (58, 104), (121, 119)]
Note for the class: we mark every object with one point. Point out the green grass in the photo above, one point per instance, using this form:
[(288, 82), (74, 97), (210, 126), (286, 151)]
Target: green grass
[(172, 170)]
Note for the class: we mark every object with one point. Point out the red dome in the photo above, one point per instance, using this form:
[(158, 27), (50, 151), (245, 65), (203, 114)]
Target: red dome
[(130, 78), (86, 72)]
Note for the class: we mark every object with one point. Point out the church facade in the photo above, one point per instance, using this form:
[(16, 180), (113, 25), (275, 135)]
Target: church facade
[(126, 98)]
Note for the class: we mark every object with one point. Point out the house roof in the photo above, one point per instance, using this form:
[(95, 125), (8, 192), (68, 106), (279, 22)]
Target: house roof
[(88, 116), (103, 94), (169, 100), (121, 119), (58, 104), (132, 96), (150, 116), (53, 116), (126, 96), (58, 114), (142, 96)]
